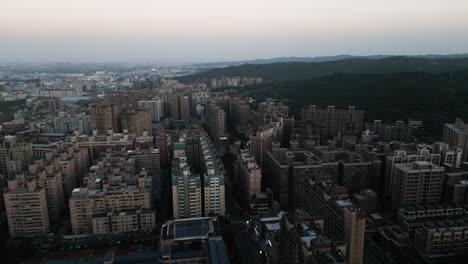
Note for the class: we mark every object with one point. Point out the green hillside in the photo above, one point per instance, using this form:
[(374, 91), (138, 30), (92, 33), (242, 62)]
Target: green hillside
[(301, 70), (436, 98)]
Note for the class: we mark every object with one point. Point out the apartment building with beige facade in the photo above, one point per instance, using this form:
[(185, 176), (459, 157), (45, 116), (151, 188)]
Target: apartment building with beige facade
[(420, 182), (249, 175), (136, 120), (186, 189), (105, 117), (96, 143), (443, 238), (15, 156), (113, 195), (213, 179), (196, 194), (26, 208)]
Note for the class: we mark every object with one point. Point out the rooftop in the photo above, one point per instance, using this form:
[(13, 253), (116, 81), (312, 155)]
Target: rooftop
[(344, 203), (189, 228)]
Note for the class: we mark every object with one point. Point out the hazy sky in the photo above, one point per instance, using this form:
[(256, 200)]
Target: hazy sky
[(214, 30)]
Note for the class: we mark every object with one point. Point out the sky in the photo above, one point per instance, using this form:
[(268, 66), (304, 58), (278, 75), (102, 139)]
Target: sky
[(185, 31)]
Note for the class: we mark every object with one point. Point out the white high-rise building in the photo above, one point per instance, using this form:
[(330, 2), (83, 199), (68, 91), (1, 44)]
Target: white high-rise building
[(155, 106), (66, 123)]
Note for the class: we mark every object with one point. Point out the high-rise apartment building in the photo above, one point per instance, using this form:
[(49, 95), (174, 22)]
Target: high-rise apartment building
[(126, 98), (196, 194), (113, 198), (184, 104), (451, 157), (456, 135), (456, 187), (48, 176), (49, 104), (333, 121), (301, 240), (287, 130), (358, 174), (96, 144), (162, 141), (215, 121), (180, 106), (68, 158), (288, 169), (249, 174), (66, 165), (401, 157), (342, 219), (81, 158), (263, 139), (146, 159), (174, 105), (240, 111), (67, 123), (390, 132), (419, 182), (105, 116), (186, 189), (193, 151), (26, 208), (213, 179), (136, 120), (14, 157), (156, 107)]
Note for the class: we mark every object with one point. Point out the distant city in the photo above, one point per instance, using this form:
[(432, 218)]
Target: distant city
[(122, 163)]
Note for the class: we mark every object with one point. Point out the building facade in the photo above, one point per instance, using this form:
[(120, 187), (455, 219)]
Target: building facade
[(249, 174), (105, 116), (25, 201), (186, 190), (15, 156), (402, 157), (155, 106), (333, 121), (112, 195), (136, 120), (343, 220), (420, 182), (456, 135)]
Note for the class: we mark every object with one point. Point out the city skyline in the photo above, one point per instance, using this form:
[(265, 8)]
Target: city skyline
[(202, 31), (339, 134)]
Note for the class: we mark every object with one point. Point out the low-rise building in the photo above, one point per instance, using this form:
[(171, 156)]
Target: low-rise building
[(193, 240), (443, 239), (412, 218)]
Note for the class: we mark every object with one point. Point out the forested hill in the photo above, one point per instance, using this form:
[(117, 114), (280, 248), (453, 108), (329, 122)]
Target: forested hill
[(318, 59), (301, 70), (436, 98)]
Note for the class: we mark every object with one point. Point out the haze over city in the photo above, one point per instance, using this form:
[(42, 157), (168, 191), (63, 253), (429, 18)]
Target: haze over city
[(199, 31)]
